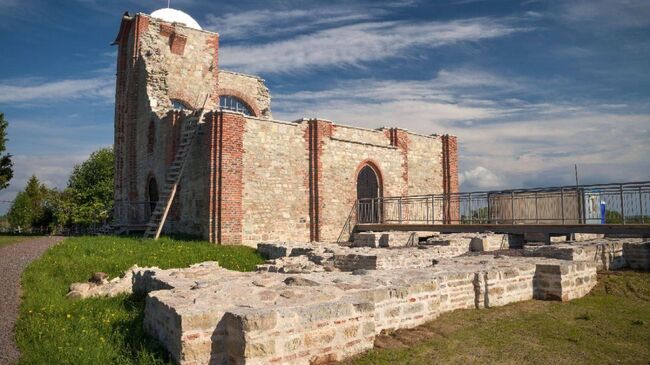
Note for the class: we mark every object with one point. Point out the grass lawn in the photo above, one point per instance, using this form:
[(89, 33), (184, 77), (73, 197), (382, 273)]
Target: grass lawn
[(8, 239), (611, 325), (54, 330)]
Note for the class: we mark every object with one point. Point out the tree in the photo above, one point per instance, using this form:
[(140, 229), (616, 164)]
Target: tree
[(88, 198), (32, 207), (6, 165), (20, 213)]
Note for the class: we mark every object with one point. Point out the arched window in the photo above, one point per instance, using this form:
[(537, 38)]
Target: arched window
[(179, 105), (229, 102)]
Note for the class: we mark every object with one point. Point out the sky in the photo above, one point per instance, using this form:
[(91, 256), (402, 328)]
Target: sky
[(530, 87)]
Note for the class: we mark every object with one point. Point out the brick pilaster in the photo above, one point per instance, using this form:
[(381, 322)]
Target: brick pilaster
[(450, 178), (316, 133), (224, 144)]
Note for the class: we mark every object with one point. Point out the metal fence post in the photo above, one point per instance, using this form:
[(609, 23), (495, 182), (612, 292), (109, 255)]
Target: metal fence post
[(562, 203), (536, 210), (641, 205), (512, 206), (620, 187), (433, 209), (489, 217), (471, 214), (359, 219), (399, 210)]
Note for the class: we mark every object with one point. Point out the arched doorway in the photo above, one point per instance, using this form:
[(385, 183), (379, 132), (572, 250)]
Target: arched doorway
[(368, 190), (152, 189)]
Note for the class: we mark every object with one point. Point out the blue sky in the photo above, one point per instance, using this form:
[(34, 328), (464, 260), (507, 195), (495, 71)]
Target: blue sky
[(530, 87)]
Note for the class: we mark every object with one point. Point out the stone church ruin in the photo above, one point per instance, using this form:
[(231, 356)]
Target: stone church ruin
[(245, 176)]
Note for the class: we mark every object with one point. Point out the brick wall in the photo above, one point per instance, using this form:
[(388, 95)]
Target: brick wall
[(449, 162), (225, 138)]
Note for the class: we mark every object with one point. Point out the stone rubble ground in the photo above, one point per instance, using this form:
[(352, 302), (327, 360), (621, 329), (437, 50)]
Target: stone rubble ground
[(315, 303)]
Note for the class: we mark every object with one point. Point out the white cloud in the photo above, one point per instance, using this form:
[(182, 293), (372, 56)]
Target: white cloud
[(451, 96), (357, 43), (480, 178), (504, 142), (247, 24), (616, 13), (28, 90)]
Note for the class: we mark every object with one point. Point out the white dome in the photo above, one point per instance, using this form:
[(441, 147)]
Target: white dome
[(175, 16)]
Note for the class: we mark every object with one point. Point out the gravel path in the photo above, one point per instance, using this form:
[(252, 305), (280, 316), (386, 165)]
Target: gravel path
[(13, 260)]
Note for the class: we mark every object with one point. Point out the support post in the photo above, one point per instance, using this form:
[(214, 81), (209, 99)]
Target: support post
[(641, 205), (512, 206), (562, 203), (471, 214), (358, 206), (489, 217), (620, 187), (433, 209), (536, 209), (399, 210)]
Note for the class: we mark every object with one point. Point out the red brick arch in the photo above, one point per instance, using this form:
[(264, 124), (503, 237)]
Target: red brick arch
[(250, 102), (182, 98), (375, 167)]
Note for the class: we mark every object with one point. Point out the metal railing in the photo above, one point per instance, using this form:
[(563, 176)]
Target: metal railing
[(620, 203), (136, 213)]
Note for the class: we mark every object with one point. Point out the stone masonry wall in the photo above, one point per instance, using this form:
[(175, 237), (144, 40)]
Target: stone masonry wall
[(408, 164), (424, 154), (250, 89), (213, 315), (247, 179), (275, 196), (165, 61)]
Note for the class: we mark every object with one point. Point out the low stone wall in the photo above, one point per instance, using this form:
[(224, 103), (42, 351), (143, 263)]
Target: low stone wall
[(342, 258), (213, 315), (274, 250), (492, 242), (637, 255), (384, 239), (608, 254), (565, 280)]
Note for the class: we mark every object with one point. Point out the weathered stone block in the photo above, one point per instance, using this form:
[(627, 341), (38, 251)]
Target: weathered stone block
[(637, 255)]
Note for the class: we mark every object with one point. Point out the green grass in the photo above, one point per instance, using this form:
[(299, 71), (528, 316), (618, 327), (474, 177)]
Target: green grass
[(610, 325), (8, 239), (55, 330)]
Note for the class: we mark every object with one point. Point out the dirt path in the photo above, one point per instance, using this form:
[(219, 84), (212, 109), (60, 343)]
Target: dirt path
[(13, 260)]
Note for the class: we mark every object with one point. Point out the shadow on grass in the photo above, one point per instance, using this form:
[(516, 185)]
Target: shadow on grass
[(137, 341)]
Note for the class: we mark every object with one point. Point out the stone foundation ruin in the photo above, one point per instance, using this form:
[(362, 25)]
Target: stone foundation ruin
[(315, 303)]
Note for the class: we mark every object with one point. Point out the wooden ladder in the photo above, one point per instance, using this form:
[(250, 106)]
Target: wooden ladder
[(173, 175)]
